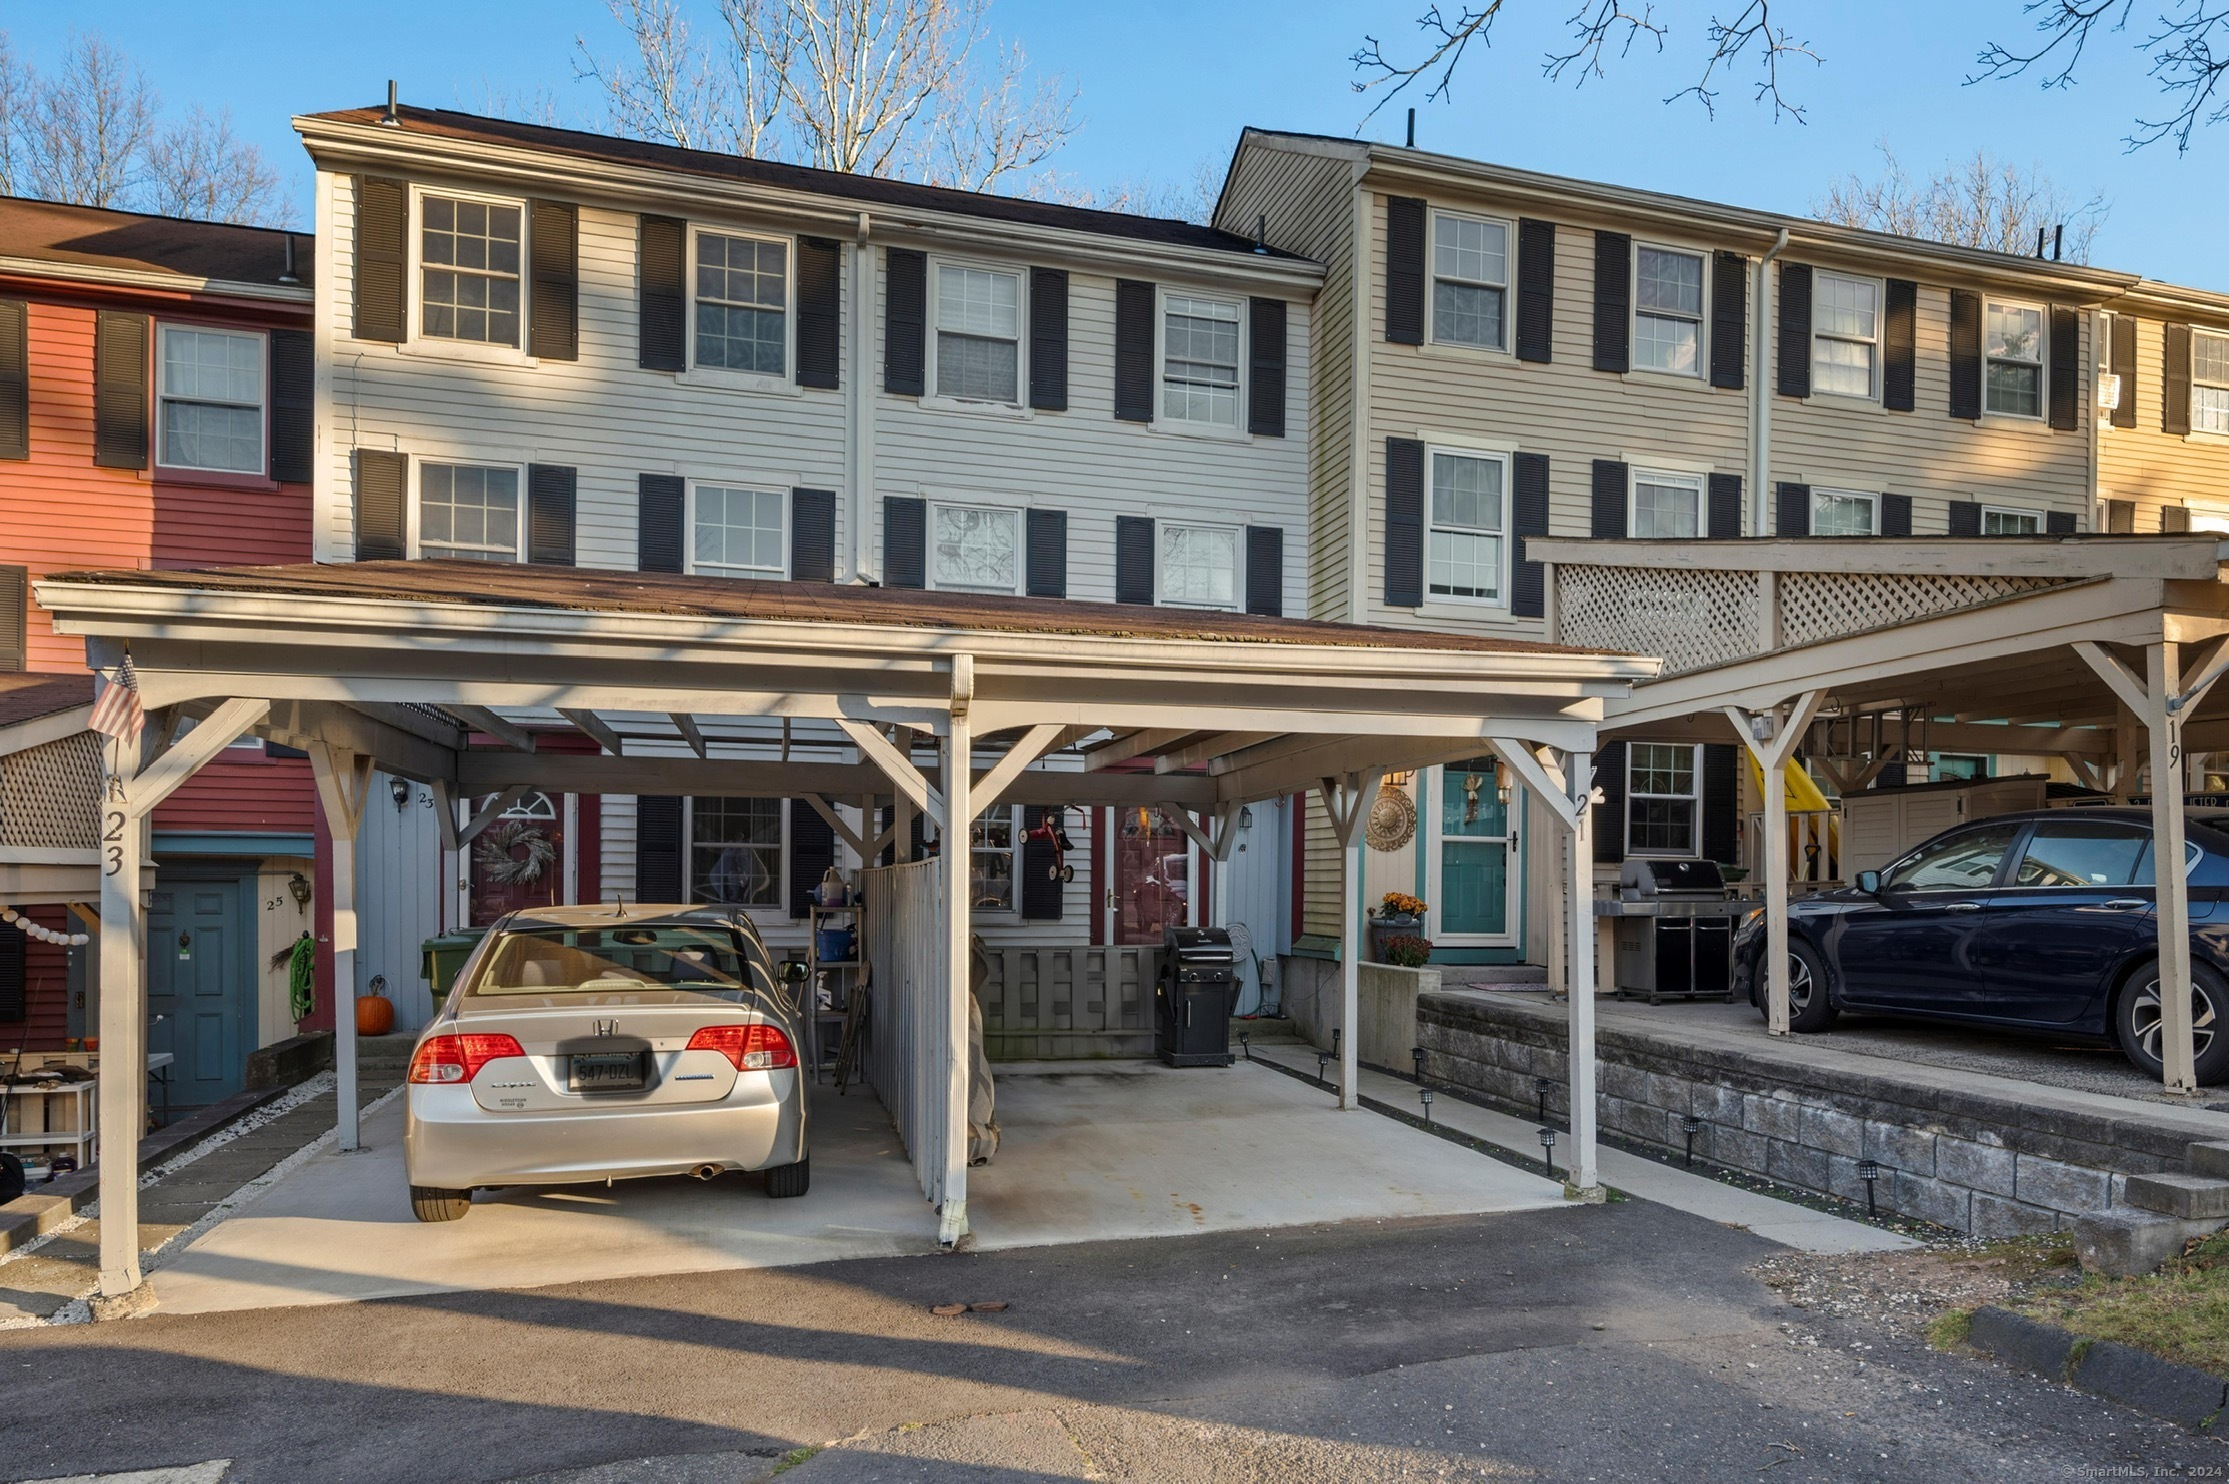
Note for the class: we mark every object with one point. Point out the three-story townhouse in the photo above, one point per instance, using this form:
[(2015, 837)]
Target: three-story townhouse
[(2163, 424)]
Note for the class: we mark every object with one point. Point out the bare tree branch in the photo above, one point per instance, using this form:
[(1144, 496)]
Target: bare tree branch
[(1593, 26), (1448, 41), (2187, 47), (1977, 202), (1729, 39), (16, 84), (200, 169), (88, 127)]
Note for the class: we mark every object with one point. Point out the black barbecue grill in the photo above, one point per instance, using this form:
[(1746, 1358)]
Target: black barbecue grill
[(1675, 930), (1194, 997)]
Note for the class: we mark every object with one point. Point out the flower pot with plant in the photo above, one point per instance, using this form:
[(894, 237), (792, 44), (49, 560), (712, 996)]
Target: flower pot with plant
[(1398, 915)]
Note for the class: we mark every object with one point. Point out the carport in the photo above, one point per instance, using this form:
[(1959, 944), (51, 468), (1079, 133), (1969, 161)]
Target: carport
[(392, 666)]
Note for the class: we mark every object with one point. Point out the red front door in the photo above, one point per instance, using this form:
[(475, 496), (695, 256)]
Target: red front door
[(1150, 885)]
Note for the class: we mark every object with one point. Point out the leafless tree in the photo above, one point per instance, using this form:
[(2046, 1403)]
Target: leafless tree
[(1975, 202), (15, 98), (2186, 48), (199, 168), (1189, 200)]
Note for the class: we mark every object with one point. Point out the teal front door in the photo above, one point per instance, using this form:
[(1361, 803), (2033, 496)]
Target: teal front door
[(1471, 900), (200, 984)]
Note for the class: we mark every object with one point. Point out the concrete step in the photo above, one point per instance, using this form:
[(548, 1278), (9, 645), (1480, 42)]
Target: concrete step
[(2126, 1244), (2185, 1197), (2209, 1159), (385, 1053)]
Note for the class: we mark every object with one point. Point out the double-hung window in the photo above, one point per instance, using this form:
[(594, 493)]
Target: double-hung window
[(469, 254), (469, 511), (1199, 565), (1199, 360), (738, 532), (975, 549), (2012, 348), (735, 852), (1666, 506), (2209, 382), (978, 334), (1663, 798), (1668, 311), (1470, 281), (1465, 545), (991, 862), (1995, 522), (742, 304), (1845, 513), (210, 400), (1845, 335)]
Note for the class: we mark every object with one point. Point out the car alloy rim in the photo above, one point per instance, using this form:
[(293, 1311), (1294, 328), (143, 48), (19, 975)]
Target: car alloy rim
[(1799, 982), (2149, 1023)]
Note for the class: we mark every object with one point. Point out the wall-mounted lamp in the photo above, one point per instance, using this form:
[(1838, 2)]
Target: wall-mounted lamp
[(1399, 780), (299, 884), (1245, 817), (399, 788)]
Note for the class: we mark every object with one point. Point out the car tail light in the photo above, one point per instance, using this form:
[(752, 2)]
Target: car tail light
[(459, 1058), (753, 1048)]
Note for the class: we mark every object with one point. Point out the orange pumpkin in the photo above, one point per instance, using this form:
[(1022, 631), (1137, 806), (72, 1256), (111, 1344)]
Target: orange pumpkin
[(375, 1015)]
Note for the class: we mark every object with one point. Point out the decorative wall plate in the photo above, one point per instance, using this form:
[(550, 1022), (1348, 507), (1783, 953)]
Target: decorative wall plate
[(1392, 822)]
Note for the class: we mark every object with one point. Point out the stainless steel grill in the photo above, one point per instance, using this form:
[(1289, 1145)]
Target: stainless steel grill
[(1675, 930)]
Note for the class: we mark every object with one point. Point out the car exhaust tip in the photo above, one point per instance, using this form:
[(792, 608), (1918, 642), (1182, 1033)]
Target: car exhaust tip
[(705, 1172)]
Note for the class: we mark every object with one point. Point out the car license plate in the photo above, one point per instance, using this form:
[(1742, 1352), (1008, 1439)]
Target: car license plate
[(607, 1071)]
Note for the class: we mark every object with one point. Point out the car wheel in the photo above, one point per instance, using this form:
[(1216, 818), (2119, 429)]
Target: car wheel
[(784, 1181), (2141, 1024), (429, 1203), (1808, 1007)]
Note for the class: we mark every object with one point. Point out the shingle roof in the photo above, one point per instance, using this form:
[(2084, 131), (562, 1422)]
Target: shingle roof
[(29, 697), (89, 236)]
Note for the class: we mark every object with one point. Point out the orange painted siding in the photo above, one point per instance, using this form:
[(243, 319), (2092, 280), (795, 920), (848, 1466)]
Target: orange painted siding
[(46, 986)]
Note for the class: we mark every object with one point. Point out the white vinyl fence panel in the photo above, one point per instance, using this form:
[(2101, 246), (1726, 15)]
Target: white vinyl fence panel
[(908, 1022)]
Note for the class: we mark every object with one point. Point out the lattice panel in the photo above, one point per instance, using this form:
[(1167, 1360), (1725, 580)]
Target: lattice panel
[(1826, 605), (50, 795), (1690, 618)]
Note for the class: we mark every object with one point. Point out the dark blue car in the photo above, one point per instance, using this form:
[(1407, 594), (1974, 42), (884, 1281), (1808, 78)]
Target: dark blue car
[(2041, 921)]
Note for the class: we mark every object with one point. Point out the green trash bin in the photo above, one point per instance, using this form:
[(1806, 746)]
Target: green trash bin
[(445, 955)]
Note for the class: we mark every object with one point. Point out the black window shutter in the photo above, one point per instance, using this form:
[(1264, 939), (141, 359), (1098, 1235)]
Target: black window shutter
[(1133, 351), (2058, 523), (13, 941), (661, 520), (1536, 290), (1611, 481), (2174, 381), (1900, 346), (15, 380), (905, 541), (2174, 519), (1404, 523), (1528, 516), (812, 535), (1896, 515), (1729, 319), (905, 321), (1048, 339), (1795, 330), (553, 314), (1265, 571), (820, 312), (1404, 270), (812, 850), (1609, 815), (293, 406), (2120, 517), (1965, 355), (382, 494), (1134, 560), (1041, 884), (15, 620), (1792, 509), (662, 293), (382, 259), (2124, 366), (1721, 802), (2066, 369), (660, 852), (551, 490), (1265, 393), (1613, 302), (1045, 545), (1725, 507), (120, 390), (1965, 518)]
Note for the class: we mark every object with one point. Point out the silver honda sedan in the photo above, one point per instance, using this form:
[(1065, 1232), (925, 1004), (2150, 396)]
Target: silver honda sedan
[(597, 1043)]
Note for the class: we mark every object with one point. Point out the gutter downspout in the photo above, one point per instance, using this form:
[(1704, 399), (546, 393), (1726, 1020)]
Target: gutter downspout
[(1358, 453), (859, 427), (1760, 406)]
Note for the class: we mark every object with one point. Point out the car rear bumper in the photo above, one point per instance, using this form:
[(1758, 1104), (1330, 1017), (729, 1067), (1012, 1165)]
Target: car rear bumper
[(451, 1143)]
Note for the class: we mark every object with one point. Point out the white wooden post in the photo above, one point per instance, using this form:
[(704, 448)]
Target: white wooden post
[(958, 822), (1350, 965), (343, 779), (121, 1095), (2163, 720), (1776, 901), (1579, 977)]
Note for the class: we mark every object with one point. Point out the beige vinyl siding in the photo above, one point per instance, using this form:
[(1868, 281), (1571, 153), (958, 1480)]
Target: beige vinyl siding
[(2155, 468), (1323, 871)]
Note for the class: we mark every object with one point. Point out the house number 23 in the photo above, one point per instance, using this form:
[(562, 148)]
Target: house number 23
[(113, 842)]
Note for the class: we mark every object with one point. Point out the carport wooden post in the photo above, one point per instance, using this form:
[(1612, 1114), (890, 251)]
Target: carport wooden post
[(1782, 729), (956, 830), (343, 780), (1346, 803), (1579, 971), (2163, 721), (121, 1095)]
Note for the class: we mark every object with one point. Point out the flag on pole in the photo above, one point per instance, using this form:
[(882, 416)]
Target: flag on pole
[(118, 713)]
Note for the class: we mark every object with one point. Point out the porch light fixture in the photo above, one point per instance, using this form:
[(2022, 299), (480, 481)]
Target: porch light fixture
[(299, 884), (1400, 780), (399, 788), (1691, 1126), (1424, 1096), (1869, 1171), (1548, 1150)]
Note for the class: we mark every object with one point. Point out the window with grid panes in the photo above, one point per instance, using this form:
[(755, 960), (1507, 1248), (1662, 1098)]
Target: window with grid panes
[(209, 396), (468, 254), (2010, 522), (1668, 311), (735, 852), (742, 304), (979, 334), (1464, 546), (2012, 345), (1199, 566), (976, 549), (2209, 382), (1844, 513), (1666, 506), (1845, 334), (738, 532), (1662, 798), (468, 511), (991, 862), (1199, 351), (1470, 281)]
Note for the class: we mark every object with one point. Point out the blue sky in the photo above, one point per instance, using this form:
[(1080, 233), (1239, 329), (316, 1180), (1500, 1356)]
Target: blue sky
[(1165, 85)]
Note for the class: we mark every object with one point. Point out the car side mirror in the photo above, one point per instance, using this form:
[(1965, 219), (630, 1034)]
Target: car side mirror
[(1869, 882)]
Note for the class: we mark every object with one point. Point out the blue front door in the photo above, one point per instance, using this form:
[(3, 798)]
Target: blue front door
[(1474, 846), (200, 985)]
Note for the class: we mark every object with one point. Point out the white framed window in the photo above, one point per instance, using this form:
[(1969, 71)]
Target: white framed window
[(1666, 506), (975, 548), (2012, 349), (1470, 281), (1199, 565), (742, 303), (1466, 544), (1845, 513), (1845, 335), (209, 399), (1663, 798), (738, 531), (993, 858), (1997, 522), (1200, 360), (2209, 382), (1668, 311), (469, 254), (470, 511), (978, 334), (736, 851)]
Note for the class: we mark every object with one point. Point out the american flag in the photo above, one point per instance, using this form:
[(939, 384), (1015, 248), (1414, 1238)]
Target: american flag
[(117, 713)]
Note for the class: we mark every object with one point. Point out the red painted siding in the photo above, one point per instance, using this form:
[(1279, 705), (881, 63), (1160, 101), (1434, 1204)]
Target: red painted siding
[(46, 987), (247, 793)]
